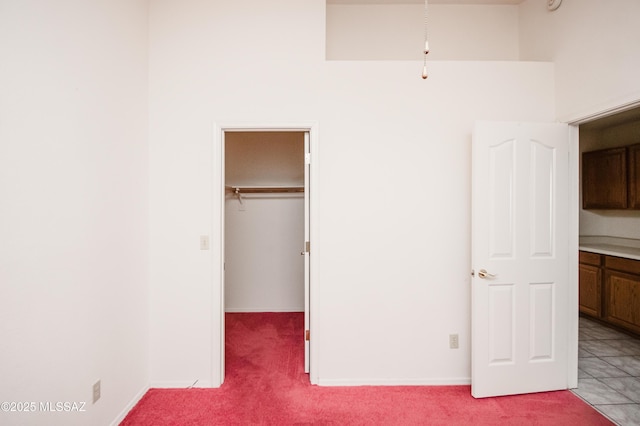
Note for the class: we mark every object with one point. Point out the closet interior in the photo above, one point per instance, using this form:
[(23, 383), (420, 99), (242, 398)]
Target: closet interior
[(264, 221)]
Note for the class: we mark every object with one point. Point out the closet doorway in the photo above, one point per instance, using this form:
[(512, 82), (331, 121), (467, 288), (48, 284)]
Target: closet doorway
[(266, 223)]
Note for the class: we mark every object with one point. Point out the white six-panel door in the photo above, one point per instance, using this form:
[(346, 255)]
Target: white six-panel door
[(520, 239)]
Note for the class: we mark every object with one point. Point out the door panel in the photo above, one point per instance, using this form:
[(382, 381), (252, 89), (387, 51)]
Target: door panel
[(542, 306), (542, 197), (520, 238), (502, 207), (501, 323)]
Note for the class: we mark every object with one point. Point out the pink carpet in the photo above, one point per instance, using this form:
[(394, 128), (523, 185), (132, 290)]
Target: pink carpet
[(265, 385)]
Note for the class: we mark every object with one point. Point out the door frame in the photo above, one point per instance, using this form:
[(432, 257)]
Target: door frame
[(573, 313), (574, 221), (217, 232)]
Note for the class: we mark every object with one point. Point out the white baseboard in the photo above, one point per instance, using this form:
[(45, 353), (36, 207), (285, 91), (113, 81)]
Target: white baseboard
[(129, 406), (262, 310), (458, 381), (182, 384)]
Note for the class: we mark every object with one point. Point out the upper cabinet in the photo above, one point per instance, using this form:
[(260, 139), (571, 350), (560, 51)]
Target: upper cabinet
[(633, 154), (611, 178), (604, 179)]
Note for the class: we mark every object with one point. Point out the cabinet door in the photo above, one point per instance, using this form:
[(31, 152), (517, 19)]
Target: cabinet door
[(589, 258), (590, 290), (622, 299), (604, 179), (634, 177)]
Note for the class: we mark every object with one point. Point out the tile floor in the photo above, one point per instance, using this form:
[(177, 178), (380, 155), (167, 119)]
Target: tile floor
[(609, 372)]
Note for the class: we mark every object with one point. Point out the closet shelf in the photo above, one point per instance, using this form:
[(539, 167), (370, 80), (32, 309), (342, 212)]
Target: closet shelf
[(263, 189)]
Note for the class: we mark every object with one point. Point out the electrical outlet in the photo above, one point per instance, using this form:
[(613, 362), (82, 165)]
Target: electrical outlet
[(204, 242), (453, 341), (96, 391)]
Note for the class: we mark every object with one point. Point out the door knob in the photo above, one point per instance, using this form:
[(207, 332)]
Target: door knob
[(482, 273)]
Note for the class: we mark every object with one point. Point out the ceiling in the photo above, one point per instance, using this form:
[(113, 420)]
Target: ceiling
[(501, 2)]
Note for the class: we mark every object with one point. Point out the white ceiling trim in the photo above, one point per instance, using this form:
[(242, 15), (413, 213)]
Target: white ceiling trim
[(496, 2)]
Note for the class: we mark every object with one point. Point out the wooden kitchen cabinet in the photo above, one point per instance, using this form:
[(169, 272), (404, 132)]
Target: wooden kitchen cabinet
[(590, 283), (622, 292), (604, 179), (633, 154)]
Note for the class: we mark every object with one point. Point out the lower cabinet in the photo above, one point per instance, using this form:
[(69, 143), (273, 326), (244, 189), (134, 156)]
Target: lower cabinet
[(622, 292), (590, 292), (610, 289)]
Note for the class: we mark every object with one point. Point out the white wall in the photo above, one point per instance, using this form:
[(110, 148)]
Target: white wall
[(264, 233), (592, 43), (211, 62), (395, 262), (396, 32), (614, 223), (73, 215), (264, 271), (394, 184)]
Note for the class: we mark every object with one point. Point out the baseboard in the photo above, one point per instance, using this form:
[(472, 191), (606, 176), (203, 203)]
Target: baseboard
[(459, 381), (182, 384), (129, 406), (261, 310)]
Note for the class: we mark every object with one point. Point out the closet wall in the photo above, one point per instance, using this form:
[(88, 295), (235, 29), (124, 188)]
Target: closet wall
[(264, 233)]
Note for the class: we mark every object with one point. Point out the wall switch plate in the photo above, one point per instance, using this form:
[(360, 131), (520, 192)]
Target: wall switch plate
[(453, 341), (96, 391), (204, 242)]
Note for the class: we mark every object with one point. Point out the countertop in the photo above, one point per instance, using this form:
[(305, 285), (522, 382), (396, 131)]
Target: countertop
[(612, 246)]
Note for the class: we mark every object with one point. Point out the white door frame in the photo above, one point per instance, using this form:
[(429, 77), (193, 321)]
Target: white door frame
[(573, 245), (217, 232), (574, 220)]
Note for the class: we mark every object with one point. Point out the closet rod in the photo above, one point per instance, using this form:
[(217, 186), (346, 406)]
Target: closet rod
[(264, 189)]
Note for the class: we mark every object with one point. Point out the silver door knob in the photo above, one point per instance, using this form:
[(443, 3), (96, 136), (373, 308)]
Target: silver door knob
[(482, 273)]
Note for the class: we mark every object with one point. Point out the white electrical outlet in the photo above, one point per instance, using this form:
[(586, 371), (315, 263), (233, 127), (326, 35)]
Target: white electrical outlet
[(204, 242), (96, 391), (453, 341)]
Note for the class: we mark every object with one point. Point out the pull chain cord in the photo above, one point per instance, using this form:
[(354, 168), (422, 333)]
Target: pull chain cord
[(426, 39)]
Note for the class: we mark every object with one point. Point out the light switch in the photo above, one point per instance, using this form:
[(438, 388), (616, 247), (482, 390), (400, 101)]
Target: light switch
[(204, 242)]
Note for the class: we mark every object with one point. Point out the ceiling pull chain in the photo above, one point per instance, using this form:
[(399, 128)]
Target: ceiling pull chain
[(426, 39)]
